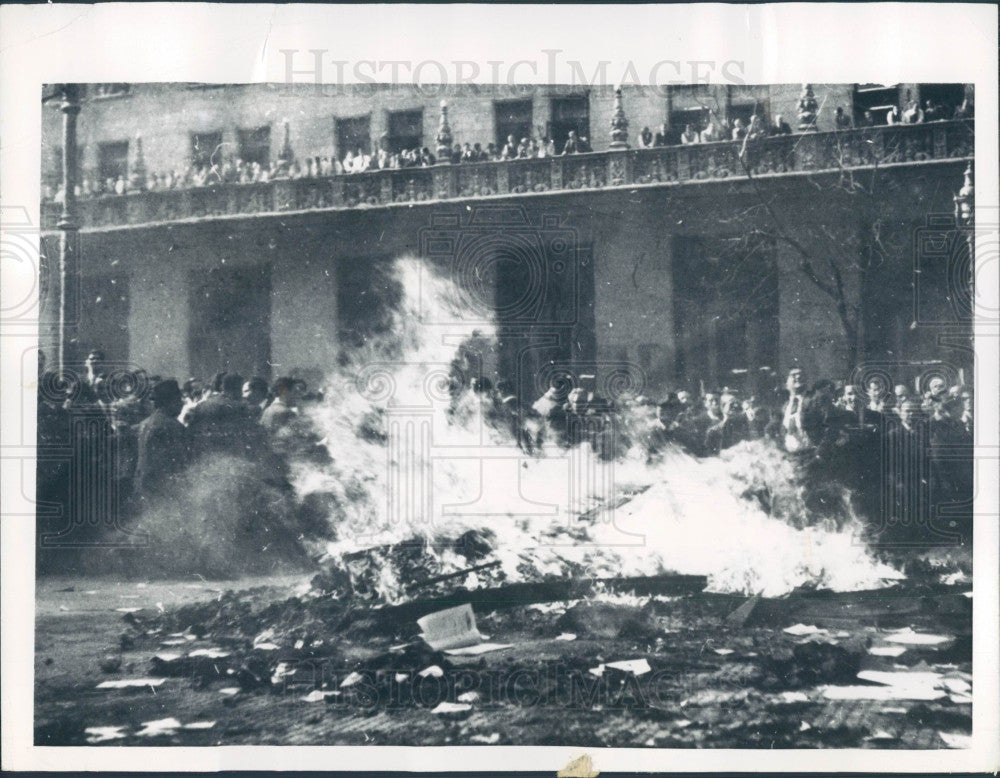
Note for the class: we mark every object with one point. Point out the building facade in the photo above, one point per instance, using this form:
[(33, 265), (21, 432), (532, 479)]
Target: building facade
[(718, 263)]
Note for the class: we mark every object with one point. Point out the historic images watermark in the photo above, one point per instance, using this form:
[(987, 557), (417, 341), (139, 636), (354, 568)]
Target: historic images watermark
[(431, 77)]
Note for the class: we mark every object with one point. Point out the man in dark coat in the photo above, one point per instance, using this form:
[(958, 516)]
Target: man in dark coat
[(163, 450), (222, 423)]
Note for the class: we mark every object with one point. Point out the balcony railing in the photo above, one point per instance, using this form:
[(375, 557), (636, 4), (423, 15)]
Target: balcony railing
[(806, 152)]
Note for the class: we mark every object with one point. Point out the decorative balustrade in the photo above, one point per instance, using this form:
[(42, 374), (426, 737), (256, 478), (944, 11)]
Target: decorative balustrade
[(810, 151)]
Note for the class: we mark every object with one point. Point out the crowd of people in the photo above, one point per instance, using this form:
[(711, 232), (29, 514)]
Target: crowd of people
[(884, 444), (143, 432), (902, 455), (358, 160)]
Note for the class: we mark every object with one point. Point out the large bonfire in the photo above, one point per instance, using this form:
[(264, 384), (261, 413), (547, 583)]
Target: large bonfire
[(421, 484)]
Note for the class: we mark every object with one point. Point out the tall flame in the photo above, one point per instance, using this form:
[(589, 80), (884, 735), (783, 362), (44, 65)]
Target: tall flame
[(414, 462)]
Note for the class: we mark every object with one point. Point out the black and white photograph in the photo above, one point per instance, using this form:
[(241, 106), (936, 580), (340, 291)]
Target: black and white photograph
[(388, 402)]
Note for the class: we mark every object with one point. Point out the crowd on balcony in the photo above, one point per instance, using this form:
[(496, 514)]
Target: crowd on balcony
[(881, 442), (359, 160), (913, 113)]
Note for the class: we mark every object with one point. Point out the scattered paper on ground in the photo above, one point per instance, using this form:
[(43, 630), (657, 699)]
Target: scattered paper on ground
[(167, 726), (956, 739), (318, 695), (900, 679), (803, 629), (452, 707), (103, 734), (126, 683), (911, 638), (211, 653), (925, 693), (634, 666), (892, 651)]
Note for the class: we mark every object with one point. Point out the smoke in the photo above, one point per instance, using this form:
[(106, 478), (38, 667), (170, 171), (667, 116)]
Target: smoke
[(419, 458), (223, 517)]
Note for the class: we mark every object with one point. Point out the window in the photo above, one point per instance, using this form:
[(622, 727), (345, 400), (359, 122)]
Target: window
[(353, 134), (255, 146), (570, 113), (512, 117), (876, 98), (745, 101), (406, 130), (948, 95), (206, 148), (112, 160), (691, 91), (681, 117)]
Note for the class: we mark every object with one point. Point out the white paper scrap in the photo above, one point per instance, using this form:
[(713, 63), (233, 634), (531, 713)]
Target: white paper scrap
[(167, 726), (318, 695), (900, 679), (956, 739), (890, 651), (803, 629), (909, 637), (634, 666), (451, 628), (452, 707), (127, 683), (924, 693), (211, 653), (103, 734)]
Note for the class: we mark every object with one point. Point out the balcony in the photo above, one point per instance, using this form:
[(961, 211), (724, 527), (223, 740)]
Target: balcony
[(667, 166)]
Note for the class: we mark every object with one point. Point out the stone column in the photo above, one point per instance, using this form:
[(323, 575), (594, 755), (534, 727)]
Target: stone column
[(808, 109), (619, 124), (285, 156), (137, 177), (444, 138), (67, 307)]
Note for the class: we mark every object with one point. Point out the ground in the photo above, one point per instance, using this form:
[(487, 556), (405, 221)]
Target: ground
[(714, 680)]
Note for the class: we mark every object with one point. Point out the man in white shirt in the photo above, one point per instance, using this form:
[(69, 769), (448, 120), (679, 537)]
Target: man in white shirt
[(791, 423)]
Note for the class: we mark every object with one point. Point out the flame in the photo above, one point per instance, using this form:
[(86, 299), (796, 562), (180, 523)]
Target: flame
[(413, 463)]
